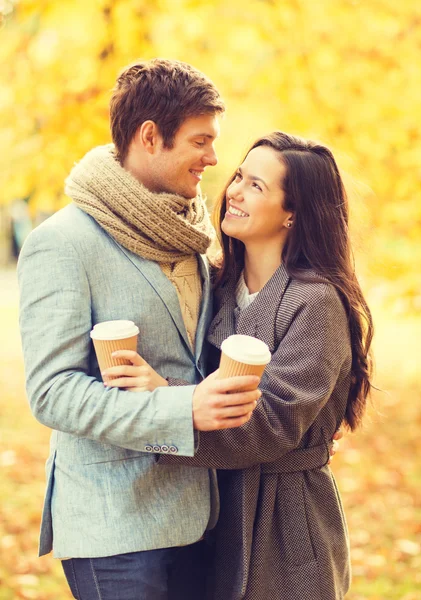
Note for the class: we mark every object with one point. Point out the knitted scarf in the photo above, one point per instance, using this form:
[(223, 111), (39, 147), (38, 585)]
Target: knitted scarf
[(163, 227)]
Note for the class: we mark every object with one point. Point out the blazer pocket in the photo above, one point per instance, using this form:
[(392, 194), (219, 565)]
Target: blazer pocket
[(296, 541)]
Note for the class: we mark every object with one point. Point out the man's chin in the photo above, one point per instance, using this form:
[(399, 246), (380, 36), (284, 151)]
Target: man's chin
[(189, 195)]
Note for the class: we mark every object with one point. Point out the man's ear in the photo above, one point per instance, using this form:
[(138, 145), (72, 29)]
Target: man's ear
[(148, 136)]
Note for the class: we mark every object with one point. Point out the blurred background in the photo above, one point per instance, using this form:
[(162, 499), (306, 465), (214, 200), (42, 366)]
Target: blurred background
[(345, 72)]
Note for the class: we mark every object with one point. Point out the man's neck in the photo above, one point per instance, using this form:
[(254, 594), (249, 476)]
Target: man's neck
[(137, 170)]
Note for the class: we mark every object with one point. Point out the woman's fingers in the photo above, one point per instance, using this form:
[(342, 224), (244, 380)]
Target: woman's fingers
[(130, 383), (125, 371)]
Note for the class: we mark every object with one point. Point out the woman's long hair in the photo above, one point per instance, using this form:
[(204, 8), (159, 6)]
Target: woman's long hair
[(318, 240)]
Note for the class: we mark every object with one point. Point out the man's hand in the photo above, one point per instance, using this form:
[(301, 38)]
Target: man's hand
[(335, 443), (224, 403)]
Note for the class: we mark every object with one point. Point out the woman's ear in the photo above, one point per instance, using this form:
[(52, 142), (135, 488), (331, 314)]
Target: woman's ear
[(289, 221)]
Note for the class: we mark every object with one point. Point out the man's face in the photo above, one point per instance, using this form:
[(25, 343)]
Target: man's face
[(179, 170)]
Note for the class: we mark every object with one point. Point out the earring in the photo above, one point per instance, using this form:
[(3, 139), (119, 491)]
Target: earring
[(289, 224)]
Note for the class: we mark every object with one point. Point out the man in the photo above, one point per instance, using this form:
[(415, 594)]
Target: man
[(129, 247)]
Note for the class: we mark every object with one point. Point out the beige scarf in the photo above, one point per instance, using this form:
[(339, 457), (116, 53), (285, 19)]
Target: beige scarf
[(165, 228), (162, 227)]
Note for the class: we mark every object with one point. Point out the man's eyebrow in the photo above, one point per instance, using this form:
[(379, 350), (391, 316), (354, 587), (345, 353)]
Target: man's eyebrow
[(254, 178), (206, 135)]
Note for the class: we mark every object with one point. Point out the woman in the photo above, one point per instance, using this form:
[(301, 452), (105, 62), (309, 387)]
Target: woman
[(286, 277)]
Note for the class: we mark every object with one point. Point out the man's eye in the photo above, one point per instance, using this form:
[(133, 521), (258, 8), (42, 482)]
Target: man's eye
[(200, 143)]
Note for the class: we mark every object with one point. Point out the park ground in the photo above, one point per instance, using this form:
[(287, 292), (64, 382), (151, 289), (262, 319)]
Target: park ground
[(378, 470)]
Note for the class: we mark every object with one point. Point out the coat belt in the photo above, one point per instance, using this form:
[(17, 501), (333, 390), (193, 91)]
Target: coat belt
[(304, 459)]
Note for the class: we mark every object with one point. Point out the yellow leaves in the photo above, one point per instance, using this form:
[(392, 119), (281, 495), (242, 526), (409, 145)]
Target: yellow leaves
[(409, 547), (7, 458), (129, 22), (43, 49), (344, 71)]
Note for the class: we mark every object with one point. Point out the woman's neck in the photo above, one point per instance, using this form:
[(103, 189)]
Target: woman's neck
[(260, 263)]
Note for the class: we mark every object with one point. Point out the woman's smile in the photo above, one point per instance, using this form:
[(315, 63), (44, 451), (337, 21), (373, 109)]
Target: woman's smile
[(235, 212)]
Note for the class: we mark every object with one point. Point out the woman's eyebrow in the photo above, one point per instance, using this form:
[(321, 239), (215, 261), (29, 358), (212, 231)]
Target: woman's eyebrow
[(254, 178)]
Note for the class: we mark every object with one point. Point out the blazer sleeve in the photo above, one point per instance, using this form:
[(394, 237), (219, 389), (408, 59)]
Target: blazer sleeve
[(55, 321), (295, 387)]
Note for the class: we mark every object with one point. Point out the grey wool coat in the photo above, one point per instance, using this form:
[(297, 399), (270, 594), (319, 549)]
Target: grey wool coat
[(282, 533)]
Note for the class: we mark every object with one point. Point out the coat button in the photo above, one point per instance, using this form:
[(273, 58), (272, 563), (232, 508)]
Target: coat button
[(164, 448), (148, 448), (173, 449), (157, 448)]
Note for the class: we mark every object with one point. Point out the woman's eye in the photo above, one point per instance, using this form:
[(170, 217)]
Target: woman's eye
[(237, 177), (257, 186)]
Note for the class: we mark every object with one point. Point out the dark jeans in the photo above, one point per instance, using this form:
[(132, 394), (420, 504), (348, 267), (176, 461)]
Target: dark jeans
[(164, 574)]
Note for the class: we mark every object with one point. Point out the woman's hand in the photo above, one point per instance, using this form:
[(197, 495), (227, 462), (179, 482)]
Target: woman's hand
[(137, 377)]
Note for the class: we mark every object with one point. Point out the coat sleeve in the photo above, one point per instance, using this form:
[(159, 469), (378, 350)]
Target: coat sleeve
[(295, 387), (55, 321)]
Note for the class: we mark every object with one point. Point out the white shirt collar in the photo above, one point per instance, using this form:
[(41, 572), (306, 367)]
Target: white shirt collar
[(242, 294)]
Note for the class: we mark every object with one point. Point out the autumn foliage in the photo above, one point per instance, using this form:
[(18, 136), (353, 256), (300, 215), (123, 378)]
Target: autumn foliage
[(343, 71)]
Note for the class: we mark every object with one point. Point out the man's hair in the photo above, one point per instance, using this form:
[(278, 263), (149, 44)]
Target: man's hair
[(164, 91)]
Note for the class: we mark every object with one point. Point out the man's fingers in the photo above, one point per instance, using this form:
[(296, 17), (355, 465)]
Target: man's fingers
[(236, 411), (130, 355), (334, 447), (213, 375), (235, 384), (225, 400), (234, 422), (338, 434)]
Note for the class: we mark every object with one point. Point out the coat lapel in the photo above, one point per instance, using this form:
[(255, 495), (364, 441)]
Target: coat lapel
[(257, 319), (223, 323), (163, 287), (206, 306)]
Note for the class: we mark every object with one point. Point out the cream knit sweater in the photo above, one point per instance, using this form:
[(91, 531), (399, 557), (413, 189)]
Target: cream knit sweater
[(185, 276)]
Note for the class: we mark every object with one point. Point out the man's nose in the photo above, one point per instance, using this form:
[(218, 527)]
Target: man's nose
[(210, 158)]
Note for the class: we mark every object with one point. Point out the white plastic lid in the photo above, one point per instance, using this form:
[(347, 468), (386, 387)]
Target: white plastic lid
[(246, 349), (114, 330)]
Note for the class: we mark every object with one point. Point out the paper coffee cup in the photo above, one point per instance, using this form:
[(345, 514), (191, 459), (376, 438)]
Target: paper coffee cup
[(243, 355), (110, 336)]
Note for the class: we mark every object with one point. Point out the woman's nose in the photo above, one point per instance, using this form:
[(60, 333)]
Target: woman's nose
[(235, 192)]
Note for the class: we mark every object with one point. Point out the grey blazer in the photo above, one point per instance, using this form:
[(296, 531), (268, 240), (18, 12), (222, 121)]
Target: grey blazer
[(105, 493), (282, 532)]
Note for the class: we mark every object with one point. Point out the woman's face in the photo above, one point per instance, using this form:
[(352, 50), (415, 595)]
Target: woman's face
[(254, 200)]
